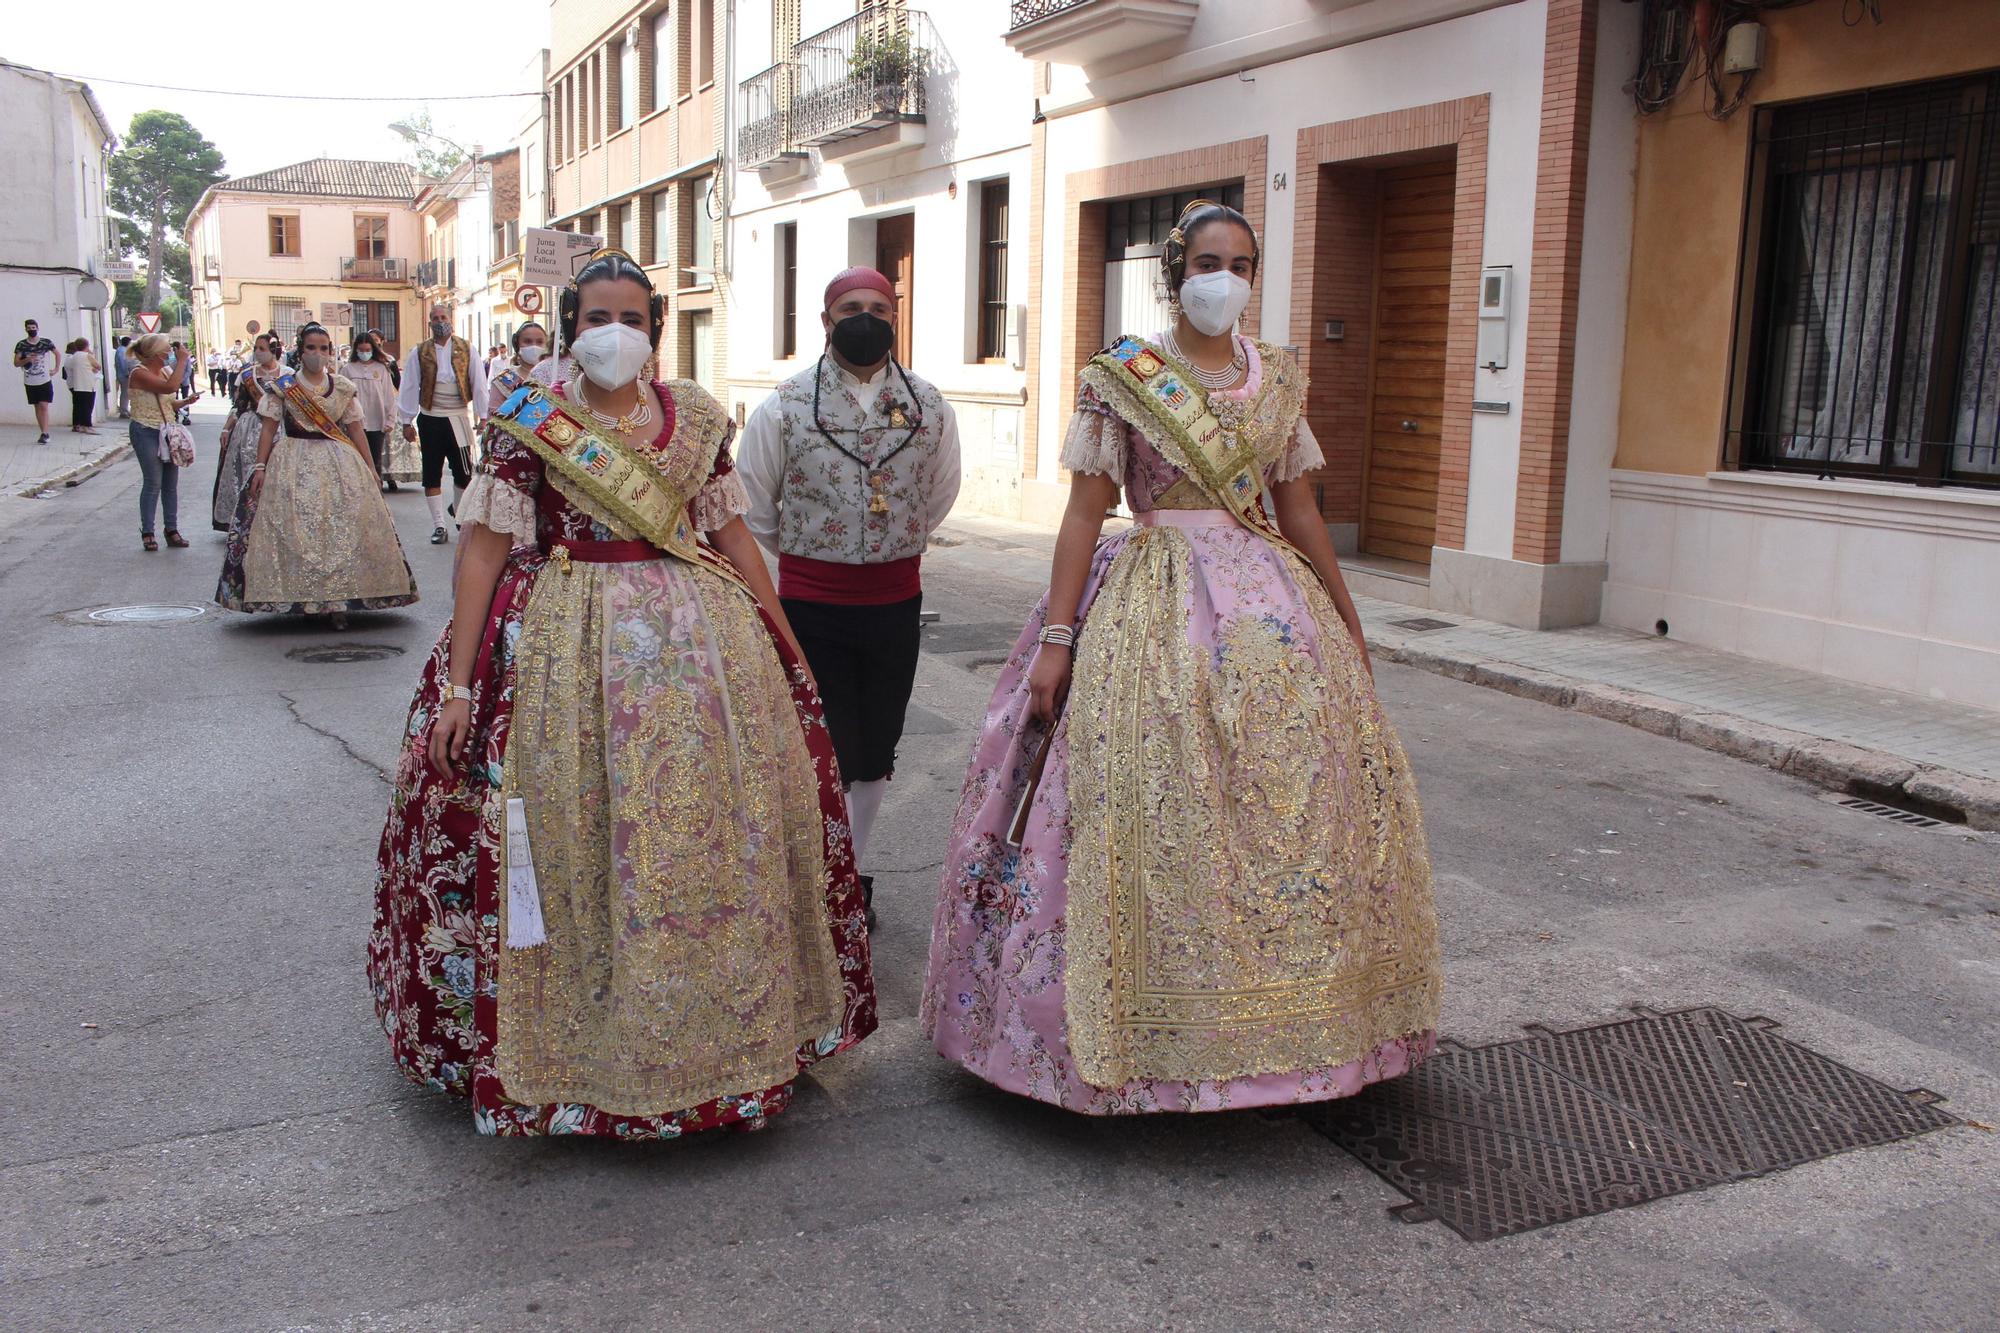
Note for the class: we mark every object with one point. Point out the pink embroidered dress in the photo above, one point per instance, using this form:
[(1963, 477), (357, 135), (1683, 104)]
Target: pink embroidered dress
[(680, 811), (1222, 897)]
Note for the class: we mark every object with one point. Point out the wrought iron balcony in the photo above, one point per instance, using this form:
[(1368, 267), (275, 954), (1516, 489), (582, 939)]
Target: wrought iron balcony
[(862, 74), (373, 270), (764, 114), (1088, 32)]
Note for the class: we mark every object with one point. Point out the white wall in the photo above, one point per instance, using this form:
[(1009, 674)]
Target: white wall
[(1496, 51), (1605, 277)]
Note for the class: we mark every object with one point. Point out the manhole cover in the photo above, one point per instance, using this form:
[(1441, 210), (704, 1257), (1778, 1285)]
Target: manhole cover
[(144, 615), (1495, 1140), (1424, 624), (330, 653)]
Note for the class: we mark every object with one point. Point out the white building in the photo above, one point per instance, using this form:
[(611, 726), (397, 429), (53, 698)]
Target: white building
[(54, 227), (850, 153)]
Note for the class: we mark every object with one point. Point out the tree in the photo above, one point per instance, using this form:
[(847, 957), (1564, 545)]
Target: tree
[(432, 156), (157, 177)]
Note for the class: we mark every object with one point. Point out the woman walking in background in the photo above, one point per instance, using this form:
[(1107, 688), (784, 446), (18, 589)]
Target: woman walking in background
[(81, 371), (375, 387), (531, 344), (616, 896), (1201, 882), (237, 457), (314, 536), (156, 400)]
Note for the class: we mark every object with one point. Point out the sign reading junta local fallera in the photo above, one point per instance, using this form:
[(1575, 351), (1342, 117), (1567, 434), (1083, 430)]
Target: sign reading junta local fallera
[(551, 258)]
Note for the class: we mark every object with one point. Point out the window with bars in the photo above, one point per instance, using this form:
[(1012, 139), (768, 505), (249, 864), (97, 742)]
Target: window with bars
[(993, 270), (1135, 228), (288, 316), (1873, 344), (788, 291)]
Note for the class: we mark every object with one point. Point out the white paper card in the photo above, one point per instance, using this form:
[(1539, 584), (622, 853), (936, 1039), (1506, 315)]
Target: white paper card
[(524, 897)]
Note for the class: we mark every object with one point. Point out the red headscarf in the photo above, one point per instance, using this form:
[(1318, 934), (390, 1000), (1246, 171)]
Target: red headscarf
[(849, 279)]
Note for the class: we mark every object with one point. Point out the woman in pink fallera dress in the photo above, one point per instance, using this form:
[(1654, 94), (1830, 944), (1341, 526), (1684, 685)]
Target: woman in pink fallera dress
[(1188, 871)]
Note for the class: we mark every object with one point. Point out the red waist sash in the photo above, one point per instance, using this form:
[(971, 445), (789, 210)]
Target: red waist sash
[(827, 581), (607, 553)]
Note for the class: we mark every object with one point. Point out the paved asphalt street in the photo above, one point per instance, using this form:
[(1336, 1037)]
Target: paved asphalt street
[(201, 1126)]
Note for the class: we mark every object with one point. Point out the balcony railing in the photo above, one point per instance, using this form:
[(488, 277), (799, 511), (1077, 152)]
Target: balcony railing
[(861, 74), (373, 270), (764, 114), (1025, 12)]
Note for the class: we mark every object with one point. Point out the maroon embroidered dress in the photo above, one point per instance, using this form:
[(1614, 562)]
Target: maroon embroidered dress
[(684, 822)]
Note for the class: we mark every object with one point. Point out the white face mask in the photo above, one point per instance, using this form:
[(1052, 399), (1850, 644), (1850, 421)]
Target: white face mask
[(612, 354), (1213, 301), (532, 352), (365, 354)]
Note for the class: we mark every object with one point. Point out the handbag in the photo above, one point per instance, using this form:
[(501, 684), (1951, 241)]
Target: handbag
[(176, 441)]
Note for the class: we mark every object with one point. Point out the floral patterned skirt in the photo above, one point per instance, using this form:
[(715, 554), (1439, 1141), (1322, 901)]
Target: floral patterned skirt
[(319, 538), (705, 932), (1222, 897)]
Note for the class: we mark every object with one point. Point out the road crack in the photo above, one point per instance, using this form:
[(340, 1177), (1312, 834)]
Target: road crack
[(387, 779)]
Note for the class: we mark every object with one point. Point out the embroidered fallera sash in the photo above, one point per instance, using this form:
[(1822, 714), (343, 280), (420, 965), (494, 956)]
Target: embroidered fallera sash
[(306, 405), (1156, 393), (623, 481)]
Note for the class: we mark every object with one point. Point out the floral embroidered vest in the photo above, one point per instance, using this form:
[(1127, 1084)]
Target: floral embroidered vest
[(870, 504)]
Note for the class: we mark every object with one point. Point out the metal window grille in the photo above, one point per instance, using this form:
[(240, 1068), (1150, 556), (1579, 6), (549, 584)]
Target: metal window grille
[(288, 316), (1137, 228), (993, 212), (1874, 340)]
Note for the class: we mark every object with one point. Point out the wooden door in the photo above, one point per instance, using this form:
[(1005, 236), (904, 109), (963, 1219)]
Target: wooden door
[(1412, 308), (896, 260)]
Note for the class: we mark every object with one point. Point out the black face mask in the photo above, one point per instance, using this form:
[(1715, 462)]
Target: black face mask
[(863, 339)]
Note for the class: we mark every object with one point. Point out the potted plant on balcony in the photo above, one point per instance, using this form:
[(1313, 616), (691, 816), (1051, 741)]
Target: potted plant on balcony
[(887, 64)]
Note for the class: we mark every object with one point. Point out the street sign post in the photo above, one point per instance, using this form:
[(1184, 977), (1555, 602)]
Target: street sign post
[(336, 312), (528, 300), (149, 321), (119, 270), (550, 258)]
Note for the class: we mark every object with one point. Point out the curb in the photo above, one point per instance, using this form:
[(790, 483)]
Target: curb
[(1849, 769), (81, 472)]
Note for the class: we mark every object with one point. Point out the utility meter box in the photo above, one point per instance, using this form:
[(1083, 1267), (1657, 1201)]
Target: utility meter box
[(1496, 301)]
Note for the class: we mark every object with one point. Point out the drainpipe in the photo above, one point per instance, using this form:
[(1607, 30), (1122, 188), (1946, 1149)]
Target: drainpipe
[(726, 174)]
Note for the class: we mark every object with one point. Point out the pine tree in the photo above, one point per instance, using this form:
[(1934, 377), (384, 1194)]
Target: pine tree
[(157, 177)]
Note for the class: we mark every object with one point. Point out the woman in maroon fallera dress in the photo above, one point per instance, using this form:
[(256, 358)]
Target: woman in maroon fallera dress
[(616, 893)]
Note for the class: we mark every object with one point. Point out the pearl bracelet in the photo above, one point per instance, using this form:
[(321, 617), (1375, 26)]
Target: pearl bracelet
[(1062, 635)]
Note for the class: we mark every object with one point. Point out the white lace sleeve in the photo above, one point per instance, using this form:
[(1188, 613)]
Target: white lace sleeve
[(720, 499), (1095, 441), (1301, 456), (499, 507)]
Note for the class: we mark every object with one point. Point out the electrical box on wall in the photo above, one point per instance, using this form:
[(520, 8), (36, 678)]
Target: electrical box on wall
[(1743, 49), (1496, 299)]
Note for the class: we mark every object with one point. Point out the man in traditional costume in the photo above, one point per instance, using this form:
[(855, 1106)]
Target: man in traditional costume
[(851, 465), (442, 382)]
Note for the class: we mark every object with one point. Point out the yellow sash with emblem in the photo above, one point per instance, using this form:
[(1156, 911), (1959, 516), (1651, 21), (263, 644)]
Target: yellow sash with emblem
[(627, 483)]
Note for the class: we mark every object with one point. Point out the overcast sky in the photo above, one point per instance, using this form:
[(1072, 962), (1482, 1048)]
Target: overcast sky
[(409, 52)]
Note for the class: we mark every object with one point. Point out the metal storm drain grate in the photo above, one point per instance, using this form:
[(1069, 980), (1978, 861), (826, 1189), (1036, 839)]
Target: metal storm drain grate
[(334, 653), (1888, 812), (1495, 1140), (1424, 624)]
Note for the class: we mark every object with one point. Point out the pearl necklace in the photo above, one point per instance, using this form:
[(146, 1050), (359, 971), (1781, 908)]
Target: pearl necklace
[(1210, 379), (640, 416)]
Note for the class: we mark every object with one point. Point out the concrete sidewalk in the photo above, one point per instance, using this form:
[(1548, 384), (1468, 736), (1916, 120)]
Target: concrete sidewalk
[(1936, 757), (26, 466)]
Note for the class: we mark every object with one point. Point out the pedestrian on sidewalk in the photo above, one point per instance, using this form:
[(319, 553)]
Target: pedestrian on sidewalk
[(236, 460), (673, 930), (217, 385), (36, 357), (157, 396), (443, 381), (1189, 870), (81, 372), (851, 466), (368, 368), (315, 536), (121, 364)]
